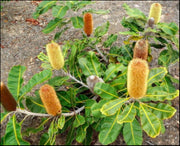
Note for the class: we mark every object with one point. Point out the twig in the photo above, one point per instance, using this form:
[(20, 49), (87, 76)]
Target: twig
[(104, 57)]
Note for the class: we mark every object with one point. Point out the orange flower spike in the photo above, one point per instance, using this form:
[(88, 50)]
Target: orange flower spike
[(55, 55), (155, 12), (50, 100), (137, 77), (88, 24), (141, 49), (7, 100)]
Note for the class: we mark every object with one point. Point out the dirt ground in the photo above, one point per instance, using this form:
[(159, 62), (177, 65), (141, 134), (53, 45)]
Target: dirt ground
[(22, 41)]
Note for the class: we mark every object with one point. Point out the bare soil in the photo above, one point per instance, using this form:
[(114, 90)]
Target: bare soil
[(22, 41)]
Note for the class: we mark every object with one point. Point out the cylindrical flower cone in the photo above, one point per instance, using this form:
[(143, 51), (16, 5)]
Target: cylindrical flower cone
[(55, 55), (50, 100), (88, 24), (141, 49), (137, 77), (7, 100), (155, 12)]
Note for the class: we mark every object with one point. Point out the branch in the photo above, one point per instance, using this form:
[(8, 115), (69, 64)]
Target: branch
[(104, 57)]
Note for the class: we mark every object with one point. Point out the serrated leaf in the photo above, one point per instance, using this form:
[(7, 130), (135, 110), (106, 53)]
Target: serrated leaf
[(112, 71), (127, 115), (95, 108), (119, 83), (81, 133), (132, 133), (43, 7), (79, 120), (59, 11), (61, 122), (161, 110), (105, 91), (149, 122), (43, 57), (168, 28), (90, 64), (51, 25), (101, 30), (110, 40), (111, 107), (109, 130), (13, 134), (36, 79), (15, 80), (57, 81), (77, 22), (156, 74)]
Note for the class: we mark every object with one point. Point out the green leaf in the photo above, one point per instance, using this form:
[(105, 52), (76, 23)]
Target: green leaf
[(90, 64), (51, 25), (44, 140), (88, 138), (4, 115), (36, 79), (15, 80), (95, 108), (169, 56), (79, 120), (132, 133), (163, 129), (53, 129), (161, 110), (112, 71), (159, 94), (173, 79), (70, 136), (77, 22), (79, 4), (113, 106), (61, 122), (129, 33), (168, 28), (119, 83), (43, 7), (96, 11), (110, 40), (81, 133), (110, 130), (101, 30), (13, 133), (59, 11), (88, 117), (105, 91), (57, 81), (134, 12), (58, 34), (156, 74), (127, 115), (149, 122), (43, 57)]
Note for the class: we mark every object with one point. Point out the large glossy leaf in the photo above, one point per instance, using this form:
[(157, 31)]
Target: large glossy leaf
[(161, 110), (43, 7), (13, 133), (90, 65), (15, 80), (110, 40), (81, 133), (170, 29), (112, 71), (101, 30), (52, 25), (79, 120), (59, 11), (111, 107), (127, 115), (149, 122), (132, 133), (36, 79), (105, 91), (156, 74), (109, 130), (77, 22)]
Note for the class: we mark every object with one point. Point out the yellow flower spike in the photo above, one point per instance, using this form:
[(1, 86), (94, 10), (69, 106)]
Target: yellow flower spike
[(141, 49), (7, 100), (137, 77), (88, 24), (50, 100), (55, 55), (155, 12)]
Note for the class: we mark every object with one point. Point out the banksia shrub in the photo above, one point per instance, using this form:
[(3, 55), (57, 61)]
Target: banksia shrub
[(137, 76), (155, 12), (55, 55), (50, 100), (88, 24), (141, 49), (7, 99)]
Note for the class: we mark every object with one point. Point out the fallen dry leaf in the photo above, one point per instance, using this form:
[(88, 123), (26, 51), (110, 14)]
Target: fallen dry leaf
[(34, 2), (32, 21)]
